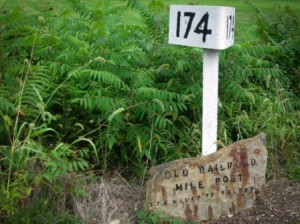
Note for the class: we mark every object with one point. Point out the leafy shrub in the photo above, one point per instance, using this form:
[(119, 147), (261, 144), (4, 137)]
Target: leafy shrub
[(33, 155), (42, 213), (158, 217), (281, 27), (264, 87)]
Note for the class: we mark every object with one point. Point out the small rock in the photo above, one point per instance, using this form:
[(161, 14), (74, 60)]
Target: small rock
[(115, 222)]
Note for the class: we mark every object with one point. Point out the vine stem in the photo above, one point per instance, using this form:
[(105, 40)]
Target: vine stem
[(147, 161)]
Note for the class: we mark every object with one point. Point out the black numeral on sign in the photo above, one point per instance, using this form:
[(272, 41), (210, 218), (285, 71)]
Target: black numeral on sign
[(204, 31), (189, 25), (178, 24), (230, 26), (201, 28)]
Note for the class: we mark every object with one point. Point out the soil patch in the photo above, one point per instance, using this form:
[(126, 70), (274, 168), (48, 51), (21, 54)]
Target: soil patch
[(277, 202)]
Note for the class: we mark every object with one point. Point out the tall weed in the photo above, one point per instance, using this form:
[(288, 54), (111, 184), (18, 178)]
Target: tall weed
[(33, 155)]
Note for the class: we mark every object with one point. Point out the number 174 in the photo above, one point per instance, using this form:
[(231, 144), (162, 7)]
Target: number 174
[(201, 27)]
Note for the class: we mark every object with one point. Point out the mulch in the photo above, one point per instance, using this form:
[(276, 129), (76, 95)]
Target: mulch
[(277, 202)]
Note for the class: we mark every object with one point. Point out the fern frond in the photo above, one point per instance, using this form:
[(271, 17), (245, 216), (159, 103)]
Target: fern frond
[(115, 10), (162, 122), (173, 103), (148, 17), (117, 59), (238, 92), (76, 42), (142, 78), (97, 103), (5, 105), (103, 77), (254, 7), (156, 6), (57, 68), (37, 87), (83, 11), (145, 93), (261, 49), (57, 24), (17, 19)]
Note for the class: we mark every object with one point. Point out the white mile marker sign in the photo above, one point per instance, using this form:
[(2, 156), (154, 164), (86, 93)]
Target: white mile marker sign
[(211, 28)]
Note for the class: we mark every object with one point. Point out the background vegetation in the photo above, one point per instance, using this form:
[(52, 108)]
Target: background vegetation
[(94, 85)]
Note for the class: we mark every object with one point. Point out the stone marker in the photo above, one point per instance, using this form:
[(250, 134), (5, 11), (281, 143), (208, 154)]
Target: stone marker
[(204, 188)]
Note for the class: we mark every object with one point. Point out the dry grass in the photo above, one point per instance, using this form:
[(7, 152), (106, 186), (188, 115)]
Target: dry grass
[(113, 201)]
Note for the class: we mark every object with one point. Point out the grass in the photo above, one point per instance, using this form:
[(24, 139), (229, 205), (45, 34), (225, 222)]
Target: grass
[(244, 14)]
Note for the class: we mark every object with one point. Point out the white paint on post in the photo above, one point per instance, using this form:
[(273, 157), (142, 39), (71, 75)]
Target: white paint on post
[(210, 101), (211, 28)]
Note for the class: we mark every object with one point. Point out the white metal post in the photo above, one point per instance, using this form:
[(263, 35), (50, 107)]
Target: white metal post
[(210, 100)]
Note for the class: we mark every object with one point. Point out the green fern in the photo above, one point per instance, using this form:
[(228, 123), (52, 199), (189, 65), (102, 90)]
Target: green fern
[(102, 77), (5, 105), (101, 103)]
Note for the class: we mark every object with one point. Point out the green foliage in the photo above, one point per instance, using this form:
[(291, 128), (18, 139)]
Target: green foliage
[(30, 167), (294, 168), (256, 98), (158, 217), (118, 76), (264, 89), (33, 154), (281, 28), (42, 213)]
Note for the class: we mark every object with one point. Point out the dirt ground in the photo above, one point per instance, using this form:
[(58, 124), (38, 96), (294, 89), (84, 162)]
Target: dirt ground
[(277, 202)]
